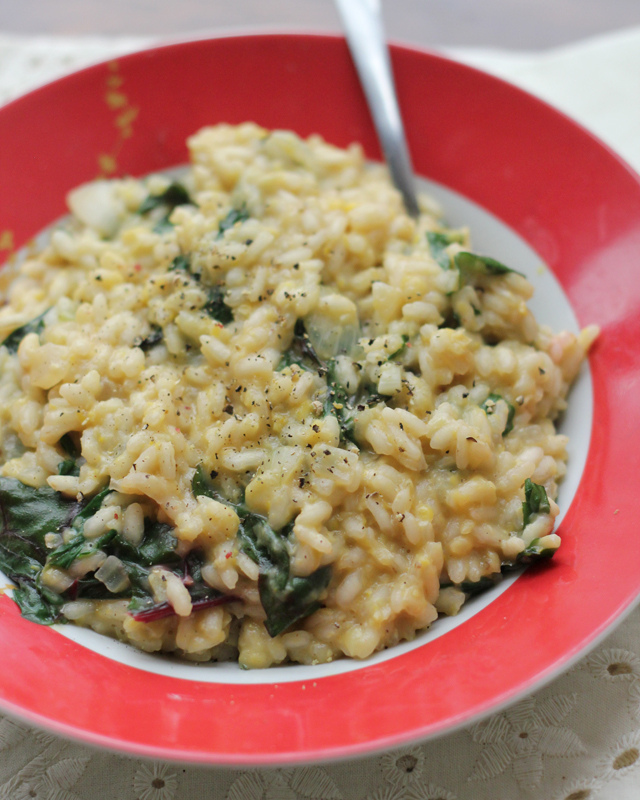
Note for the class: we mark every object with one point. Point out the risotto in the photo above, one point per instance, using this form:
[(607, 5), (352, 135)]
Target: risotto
[(261, 414)]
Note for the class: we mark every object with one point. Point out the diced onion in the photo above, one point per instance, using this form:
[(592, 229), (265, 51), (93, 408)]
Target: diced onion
[(114, 575)]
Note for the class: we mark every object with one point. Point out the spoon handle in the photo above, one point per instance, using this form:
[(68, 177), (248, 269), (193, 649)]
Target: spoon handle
[(362, 21)]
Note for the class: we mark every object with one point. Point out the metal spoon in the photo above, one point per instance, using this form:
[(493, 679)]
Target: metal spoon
[(362, 20)]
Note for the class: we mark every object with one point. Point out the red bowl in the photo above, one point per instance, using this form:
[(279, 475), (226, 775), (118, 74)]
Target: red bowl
[(572, 200)]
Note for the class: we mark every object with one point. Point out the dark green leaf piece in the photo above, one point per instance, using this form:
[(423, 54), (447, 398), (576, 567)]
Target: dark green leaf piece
[(268, 549), (337, 402), (301, 351), (452, 320), (69, 467), (155, 336), (158, 546), (402, 349), (26, 516), (37, 603), (69, 446), (174, 195), (535, 552), (476, 587), (471, 266), (90, 508), (535, 501), (489, 406), (234, 216), (438, 243), (202, 484), (346, 407), (181, 262), (297, 599), (12, 342), (216, 308), (78, 547), (164, 224), (286, 598)]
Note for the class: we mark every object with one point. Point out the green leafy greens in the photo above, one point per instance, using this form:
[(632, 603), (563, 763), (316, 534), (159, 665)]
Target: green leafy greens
[(489, 407), (402, 349), (338, 401), (173, 196), (471, 266), (234, 216), (535, 501), (28, 514), (12, 342), (301, 352), (286, 598), (215, 305), (439, 241), (346, 406)]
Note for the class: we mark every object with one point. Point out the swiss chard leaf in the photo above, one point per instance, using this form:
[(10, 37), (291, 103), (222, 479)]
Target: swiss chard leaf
[(344, 406), (37, 603), (286, 598), (155, 336), (471, 266), (90, 508), (215, 306), (489, 407), (266, 547), (36, 325), (181, 262), (143, 612), (535, 501), (69, 466), (158, 546), (234, 216), (143, 607), (452, 320), (174, 195), (301, 351), (297, 599), (536, 552), (438, 243), (338, 401), (78, 547), (202, 484), (402, 349), (27, 515), (69, 446)]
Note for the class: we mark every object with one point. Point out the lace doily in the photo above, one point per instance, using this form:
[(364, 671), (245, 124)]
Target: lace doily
[(577, 739)]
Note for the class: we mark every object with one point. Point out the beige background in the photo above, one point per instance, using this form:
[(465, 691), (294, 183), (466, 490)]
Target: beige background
[(499, 23)]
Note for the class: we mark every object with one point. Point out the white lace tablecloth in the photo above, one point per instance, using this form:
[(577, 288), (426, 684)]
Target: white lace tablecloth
[(576, 739)]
